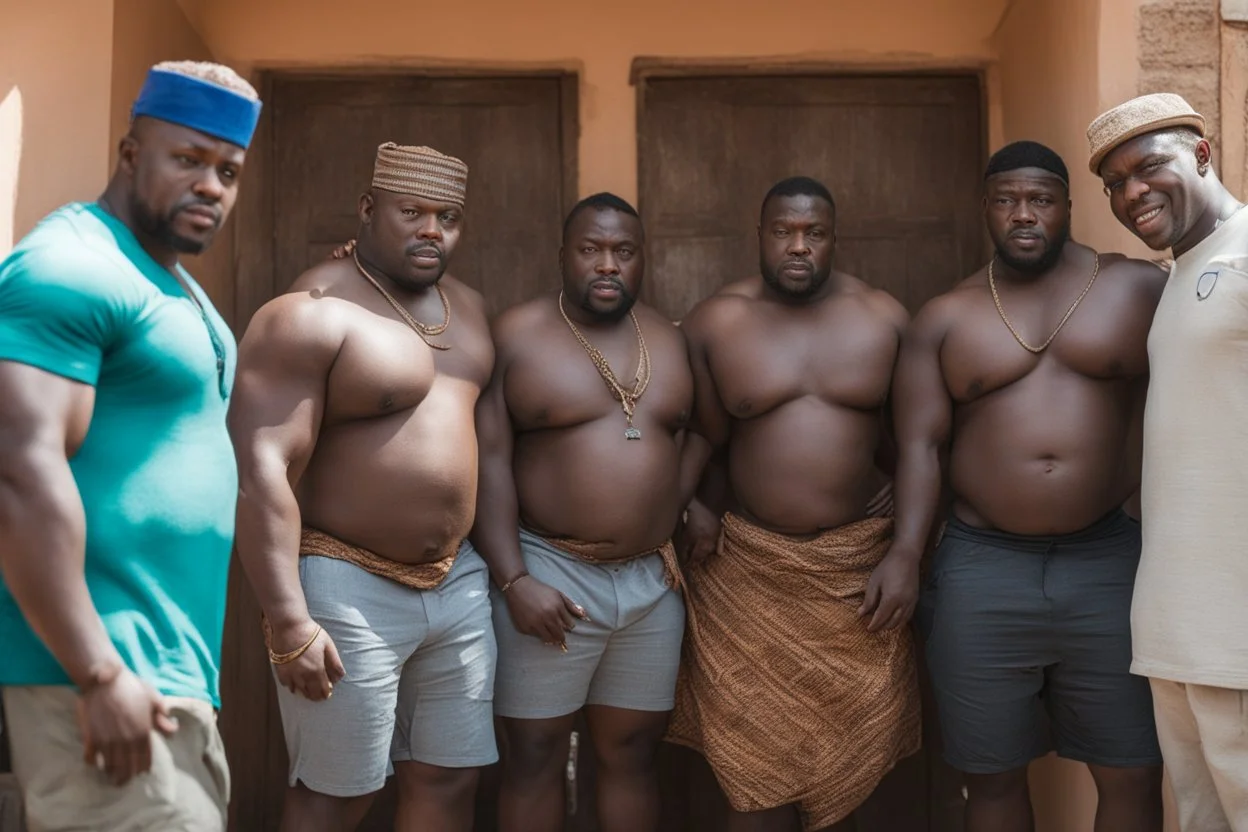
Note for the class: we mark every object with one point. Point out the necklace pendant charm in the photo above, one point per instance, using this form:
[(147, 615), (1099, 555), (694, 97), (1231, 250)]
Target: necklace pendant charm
[(632, 433)]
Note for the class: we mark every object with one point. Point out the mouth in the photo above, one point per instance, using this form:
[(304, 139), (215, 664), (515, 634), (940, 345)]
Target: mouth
[(1142, 221), (427, 257), (202, 217), (797, 267), (605, 289)]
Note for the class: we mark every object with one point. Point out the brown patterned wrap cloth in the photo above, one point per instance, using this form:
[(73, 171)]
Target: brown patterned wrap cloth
[(781, 687), (410, 575), (592, 553)]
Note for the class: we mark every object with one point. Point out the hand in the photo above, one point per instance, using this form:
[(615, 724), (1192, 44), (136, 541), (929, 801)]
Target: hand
[(116, 718), (881, 504), (699, 536), (892, 592), (313, 674), (542, 611)]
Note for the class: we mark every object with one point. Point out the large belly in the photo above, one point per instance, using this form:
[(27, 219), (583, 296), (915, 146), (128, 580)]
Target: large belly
[(805, 466), (403, 486), (591, 484), (1046, 455)]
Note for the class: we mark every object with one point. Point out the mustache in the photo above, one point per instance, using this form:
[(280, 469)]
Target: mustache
[(210, 205), (424, 248)]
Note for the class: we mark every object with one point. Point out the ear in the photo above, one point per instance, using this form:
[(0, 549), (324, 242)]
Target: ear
[(1204, 154), (128, 154), (367, 203)]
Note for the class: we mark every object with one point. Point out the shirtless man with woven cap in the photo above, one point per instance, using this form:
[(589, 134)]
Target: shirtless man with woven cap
[(1027, 380), (353, 421), (798, 683), (581, 434)]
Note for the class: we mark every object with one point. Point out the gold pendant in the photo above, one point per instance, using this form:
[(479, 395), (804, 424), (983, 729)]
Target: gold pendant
[(632, 433)]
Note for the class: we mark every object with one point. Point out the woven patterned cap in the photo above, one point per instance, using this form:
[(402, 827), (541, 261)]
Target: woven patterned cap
[(1146, 114), (420, 171)]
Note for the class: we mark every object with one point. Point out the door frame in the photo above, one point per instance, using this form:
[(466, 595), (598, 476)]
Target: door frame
[(245, 677), (647, 68), (255, 278)]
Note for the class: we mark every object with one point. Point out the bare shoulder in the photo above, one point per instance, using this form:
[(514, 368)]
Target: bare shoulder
[(715, 314), (461, 294), (877, 302), (655, 323), (1142, 278), (520, 323), (309, 317), (938, 315), (749, 287)]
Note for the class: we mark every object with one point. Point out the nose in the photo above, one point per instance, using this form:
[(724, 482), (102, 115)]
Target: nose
[(607, 264), (798, 245), (1023, 215), (209, 186), (429, 228), (1135, 190)]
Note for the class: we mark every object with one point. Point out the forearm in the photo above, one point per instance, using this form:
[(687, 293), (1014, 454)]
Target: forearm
[(916, 497), (267, 537), (42, 550), (695, 453), (496, 532)]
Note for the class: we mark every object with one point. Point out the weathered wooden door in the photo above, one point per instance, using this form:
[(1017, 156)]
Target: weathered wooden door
[(902, 156), (312, 157)]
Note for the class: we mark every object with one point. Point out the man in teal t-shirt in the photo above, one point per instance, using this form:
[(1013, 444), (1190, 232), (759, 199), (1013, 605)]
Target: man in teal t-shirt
[(117, 477)]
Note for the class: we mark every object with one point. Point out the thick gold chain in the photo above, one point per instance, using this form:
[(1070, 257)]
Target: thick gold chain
[(992, 284), (627, 398), (425, 331)]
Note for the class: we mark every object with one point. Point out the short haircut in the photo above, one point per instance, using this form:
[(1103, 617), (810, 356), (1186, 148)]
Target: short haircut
[(218, 74), (603, 201), (1026, 154), (1185, 136), (799, 186)]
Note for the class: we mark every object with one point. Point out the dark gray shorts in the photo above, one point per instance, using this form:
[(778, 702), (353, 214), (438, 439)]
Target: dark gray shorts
[(1028, 643)]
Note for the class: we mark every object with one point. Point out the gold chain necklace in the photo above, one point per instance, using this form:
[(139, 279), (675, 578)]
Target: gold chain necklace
[(627, 398), (992, 284), (425, 331)]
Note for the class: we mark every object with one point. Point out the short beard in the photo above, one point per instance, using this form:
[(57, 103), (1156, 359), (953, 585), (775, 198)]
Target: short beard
[(1048, 259), (772, 279), (161, 230), (612, 315)]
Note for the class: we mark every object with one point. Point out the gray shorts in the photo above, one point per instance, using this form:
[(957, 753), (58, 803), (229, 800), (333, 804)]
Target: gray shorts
[(1028, 645), (625, 656), (419, 683)]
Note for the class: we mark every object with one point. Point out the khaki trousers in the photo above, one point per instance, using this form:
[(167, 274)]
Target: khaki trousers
[(186, 790), (1204, 739)]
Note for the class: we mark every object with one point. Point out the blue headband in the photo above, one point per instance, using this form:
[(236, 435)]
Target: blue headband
[(199, 105)]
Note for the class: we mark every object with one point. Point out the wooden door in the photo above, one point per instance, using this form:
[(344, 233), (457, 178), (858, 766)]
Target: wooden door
[(903, 157), (312, 157)]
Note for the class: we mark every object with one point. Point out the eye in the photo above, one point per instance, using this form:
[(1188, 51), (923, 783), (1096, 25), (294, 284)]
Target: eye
[(588, 249), (1044, 200), (186, 161), (816, 234), (780, 232), (449, 217), (1115, 187), (1152, 166), (229, 174), (1002, 200), (409, 212), (625, 252)]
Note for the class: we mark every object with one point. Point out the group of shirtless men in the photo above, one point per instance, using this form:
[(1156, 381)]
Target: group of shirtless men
[(686, 530)]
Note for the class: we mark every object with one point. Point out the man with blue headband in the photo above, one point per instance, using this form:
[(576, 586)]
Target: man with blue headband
[(117, 477)]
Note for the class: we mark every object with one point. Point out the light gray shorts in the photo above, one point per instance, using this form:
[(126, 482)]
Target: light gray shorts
[(625, 656), (419, 683)]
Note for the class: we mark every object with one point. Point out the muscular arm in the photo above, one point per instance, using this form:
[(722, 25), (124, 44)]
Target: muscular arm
[(495, 533), (43, 421), (275, 416), (711, 425), (923, 415)]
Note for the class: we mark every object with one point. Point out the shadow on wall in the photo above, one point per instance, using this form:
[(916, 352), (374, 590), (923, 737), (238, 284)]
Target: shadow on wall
[(10, 164)]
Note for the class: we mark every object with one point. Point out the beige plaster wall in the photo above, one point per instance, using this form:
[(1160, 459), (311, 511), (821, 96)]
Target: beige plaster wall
[(598, 42), (54, 107)]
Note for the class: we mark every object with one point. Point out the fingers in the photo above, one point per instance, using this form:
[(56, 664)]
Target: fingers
[(163, 719), (883, 613), (576, 609), (117, 765), (333, 663), (870, 598)]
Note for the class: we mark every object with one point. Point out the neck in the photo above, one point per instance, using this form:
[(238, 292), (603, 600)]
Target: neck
[(116, 201), (1221, 205)]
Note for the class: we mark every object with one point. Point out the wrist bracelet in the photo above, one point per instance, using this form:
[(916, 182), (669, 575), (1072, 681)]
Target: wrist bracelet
[(287, 658), (522, 574)]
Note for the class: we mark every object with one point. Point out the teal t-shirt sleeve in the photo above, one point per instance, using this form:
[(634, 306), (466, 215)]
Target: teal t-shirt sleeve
[(59, 311)]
